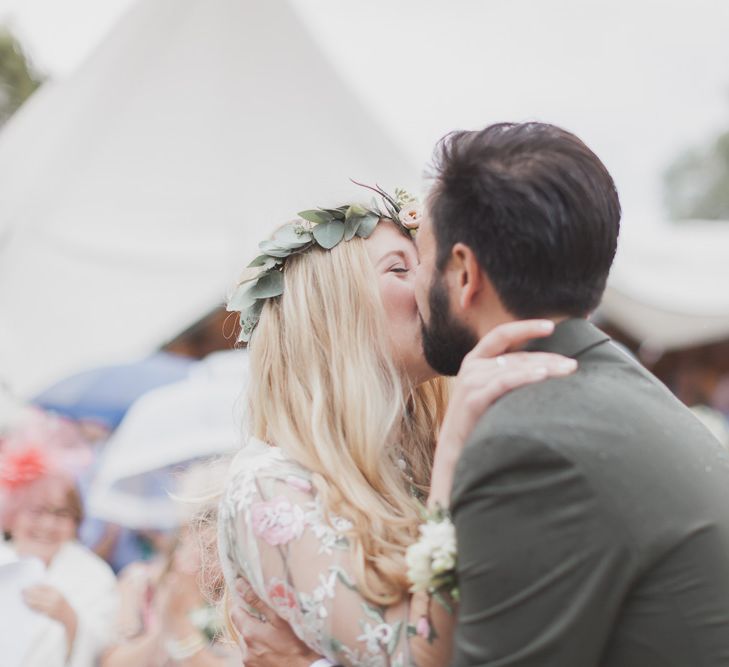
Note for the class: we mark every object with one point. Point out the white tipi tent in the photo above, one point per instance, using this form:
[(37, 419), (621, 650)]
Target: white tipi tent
[(669, 287), (133, 191)]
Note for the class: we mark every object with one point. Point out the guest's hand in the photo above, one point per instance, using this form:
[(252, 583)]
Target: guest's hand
[(488, 372), (50, 602), (265, 643)]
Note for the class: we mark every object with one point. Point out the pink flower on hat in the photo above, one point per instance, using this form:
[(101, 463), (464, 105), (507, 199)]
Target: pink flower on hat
[(277, 521), (22, 465)]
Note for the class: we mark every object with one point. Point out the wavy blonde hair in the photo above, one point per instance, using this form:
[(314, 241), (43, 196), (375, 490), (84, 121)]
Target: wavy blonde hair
[(324, 388)]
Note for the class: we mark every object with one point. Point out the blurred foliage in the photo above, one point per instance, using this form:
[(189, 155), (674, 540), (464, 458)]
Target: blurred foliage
[(697, 184), (18, 78)]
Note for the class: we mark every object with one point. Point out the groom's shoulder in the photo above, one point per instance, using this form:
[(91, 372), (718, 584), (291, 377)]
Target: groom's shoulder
[(608, 392)]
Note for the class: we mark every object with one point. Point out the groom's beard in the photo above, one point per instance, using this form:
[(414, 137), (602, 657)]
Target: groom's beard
[(445, 340)]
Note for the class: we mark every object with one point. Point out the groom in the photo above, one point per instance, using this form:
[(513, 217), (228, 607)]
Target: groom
[(592, 511)]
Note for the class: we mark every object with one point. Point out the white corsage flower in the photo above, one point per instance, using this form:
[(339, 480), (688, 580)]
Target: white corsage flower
[(431, 561), (420, 571)]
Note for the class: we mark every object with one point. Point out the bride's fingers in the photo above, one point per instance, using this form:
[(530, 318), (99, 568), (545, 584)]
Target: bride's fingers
[(532, 357), (510, 336), (253, 605), (479, 371), (499, 384)]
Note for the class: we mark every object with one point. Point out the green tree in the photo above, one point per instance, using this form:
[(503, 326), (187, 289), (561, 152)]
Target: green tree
[(18, 78), (697, 183)]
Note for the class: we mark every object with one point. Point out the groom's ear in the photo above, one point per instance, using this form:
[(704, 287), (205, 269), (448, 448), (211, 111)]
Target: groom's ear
[(469, 279)]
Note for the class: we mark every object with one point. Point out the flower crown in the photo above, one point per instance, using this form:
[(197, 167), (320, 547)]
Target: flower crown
[(322, 227)]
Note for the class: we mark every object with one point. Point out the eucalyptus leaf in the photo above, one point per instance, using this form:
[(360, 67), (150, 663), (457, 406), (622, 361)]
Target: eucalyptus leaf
[(248, 321), (258, 261), (274, 249), (351, 227), (242, 299), (289, 237), (256, 309), (357, 211), (269, 285), (336, 213), (318, 217), (367, 225), (266, 262), (329, 234)]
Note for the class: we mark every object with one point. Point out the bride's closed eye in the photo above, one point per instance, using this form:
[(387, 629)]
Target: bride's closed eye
[(399, 269)]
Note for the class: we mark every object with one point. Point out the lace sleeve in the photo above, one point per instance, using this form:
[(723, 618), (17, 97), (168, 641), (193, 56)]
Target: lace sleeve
[(296, 561)]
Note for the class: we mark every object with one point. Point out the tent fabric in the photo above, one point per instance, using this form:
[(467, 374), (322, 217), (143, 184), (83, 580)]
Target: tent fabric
[(135, 190), (669, 287)]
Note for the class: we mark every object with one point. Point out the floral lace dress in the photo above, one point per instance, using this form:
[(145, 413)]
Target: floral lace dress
[(274, 534)]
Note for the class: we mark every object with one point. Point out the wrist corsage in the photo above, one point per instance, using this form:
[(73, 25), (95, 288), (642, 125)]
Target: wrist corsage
[(431, 561)]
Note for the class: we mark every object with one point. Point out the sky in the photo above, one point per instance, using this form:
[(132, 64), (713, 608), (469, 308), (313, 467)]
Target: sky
[(639, 80)]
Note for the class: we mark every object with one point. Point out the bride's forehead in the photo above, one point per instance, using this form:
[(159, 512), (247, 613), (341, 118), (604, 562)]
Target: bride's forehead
[(386, 239)]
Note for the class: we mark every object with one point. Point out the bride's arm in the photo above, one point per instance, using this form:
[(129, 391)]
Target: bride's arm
[(266, 640), (303, 569)]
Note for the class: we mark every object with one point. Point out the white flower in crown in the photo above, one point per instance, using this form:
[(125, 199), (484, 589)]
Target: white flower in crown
[(410, 215)]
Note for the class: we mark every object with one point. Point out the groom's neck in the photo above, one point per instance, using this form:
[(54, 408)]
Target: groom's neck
[(490, 317), (487, 311)]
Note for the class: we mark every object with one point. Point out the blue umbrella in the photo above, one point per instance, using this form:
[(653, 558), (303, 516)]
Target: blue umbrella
[(105, 394)]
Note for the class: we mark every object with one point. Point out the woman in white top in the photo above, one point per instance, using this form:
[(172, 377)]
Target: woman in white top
[(76, 597)]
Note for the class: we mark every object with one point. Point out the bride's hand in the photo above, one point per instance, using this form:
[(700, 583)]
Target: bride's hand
[(488, 372), (264, 638)]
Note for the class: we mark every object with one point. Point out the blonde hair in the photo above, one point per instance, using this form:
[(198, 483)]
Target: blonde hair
[(197, 493), (324, 388)]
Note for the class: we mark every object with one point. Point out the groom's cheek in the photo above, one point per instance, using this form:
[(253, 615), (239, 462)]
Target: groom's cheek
[(421, 292)]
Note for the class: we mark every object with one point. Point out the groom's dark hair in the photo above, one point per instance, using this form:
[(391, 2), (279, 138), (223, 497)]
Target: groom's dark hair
[(538, 209)]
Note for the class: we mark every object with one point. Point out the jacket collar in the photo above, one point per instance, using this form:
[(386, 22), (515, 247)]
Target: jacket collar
[(571, 338)]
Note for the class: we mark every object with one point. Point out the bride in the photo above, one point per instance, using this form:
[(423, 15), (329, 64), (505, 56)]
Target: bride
[(351, 435)]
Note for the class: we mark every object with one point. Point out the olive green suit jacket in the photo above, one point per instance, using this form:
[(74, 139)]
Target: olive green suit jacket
[(592, 519)]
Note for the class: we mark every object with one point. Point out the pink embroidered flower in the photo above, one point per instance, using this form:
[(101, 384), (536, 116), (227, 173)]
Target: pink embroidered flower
[(277, 521), (281, 596), (423, 627), (299, 483)]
